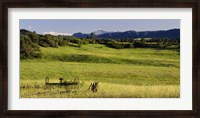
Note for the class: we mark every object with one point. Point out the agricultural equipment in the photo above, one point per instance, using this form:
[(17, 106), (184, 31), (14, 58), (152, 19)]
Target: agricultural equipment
[(63, 83)]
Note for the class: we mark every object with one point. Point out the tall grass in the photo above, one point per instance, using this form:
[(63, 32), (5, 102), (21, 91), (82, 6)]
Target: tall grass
[(106, 90)]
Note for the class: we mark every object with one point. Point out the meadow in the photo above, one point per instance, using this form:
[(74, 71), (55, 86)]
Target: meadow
[(121, 73)]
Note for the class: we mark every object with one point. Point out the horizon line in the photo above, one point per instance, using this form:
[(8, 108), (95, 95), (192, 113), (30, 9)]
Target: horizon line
[(97, 30)]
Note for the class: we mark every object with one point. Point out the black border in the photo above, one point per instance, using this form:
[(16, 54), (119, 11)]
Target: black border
[(5, 4)]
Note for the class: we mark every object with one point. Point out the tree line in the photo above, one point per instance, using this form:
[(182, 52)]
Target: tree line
[(30, 43)]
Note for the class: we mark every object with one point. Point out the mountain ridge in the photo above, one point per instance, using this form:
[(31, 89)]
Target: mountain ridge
[(171, 33), (100, 34)]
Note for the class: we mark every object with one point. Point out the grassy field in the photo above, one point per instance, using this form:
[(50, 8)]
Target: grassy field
[(121, 73)]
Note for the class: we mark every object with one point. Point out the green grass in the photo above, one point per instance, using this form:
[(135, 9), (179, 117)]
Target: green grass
[(135, 72)]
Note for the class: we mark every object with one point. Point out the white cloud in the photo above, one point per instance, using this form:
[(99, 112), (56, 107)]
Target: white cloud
[(29, 27), (58, 33)]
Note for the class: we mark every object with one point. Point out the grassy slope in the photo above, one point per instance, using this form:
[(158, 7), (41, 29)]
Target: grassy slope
[(115, 69)]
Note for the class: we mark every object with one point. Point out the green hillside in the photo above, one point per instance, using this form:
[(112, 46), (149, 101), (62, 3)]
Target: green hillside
[(130, 72)]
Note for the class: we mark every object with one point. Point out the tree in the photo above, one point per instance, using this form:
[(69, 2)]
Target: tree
[(28, 49), (159, 43), (87, 37), (33, 36), (92, 35), (142, 40)]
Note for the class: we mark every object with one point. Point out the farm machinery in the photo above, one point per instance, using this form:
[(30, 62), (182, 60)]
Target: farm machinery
[(62, 82)]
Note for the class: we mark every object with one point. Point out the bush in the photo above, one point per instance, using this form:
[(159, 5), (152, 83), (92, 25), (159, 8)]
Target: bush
[(28, 49)]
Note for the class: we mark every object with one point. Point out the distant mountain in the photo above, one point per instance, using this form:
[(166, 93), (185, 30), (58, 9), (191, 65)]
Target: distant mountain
[(23, 31), (119, 35), (84, 35), (172, 33), (99, 32), (80, 35)]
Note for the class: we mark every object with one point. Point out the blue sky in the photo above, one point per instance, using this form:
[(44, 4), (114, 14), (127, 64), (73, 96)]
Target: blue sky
[(68, 26)]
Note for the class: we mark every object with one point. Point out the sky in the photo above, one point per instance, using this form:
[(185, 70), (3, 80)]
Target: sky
[(71, 26)]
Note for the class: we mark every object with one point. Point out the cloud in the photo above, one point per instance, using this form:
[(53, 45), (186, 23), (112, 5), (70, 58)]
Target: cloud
[(58, 33), (29, 27)]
